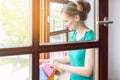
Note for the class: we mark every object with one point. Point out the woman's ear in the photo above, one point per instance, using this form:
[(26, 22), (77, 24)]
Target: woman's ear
[(77, 18)]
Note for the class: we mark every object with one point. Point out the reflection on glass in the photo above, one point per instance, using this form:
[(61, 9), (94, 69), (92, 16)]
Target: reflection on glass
[(15, 67), (71, 59), (15, 23)]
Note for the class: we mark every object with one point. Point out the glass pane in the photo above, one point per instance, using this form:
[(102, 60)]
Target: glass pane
[(59, 29), (15, 67), (56, 22), (70, 59), (15, 23)]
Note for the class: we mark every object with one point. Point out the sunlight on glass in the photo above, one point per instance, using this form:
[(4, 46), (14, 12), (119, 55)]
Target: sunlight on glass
[(15, 68), (15, 23)]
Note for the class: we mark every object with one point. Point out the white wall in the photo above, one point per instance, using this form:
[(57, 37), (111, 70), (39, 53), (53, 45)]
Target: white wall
[(114, 40)]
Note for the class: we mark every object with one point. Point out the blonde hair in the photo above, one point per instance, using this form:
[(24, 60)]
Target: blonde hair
[(80, 7)]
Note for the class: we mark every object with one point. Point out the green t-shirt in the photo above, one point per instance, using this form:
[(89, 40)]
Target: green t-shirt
[(77, 57)]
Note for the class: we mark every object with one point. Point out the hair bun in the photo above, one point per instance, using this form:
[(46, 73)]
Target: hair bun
[(83, 6)]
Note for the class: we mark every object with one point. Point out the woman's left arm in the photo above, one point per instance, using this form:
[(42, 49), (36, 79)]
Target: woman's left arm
[(86, 70)]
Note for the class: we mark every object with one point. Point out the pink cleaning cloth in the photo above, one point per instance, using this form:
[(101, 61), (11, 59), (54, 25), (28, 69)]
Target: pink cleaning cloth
[(47, 69)]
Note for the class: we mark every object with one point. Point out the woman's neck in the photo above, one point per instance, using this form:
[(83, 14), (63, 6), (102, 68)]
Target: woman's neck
[(81, 27), (81, 30)]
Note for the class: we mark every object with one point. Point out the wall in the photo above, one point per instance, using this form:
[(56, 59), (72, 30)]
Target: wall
[(114, 40)]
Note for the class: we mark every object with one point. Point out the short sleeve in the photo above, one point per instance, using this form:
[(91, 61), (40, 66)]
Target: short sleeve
[(89, 35)]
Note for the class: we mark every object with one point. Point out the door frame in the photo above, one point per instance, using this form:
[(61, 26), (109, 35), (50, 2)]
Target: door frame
[(103, 38)]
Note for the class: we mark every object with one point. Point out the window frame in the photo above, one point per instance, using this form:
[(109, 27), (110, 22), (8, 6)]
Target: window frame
[(37, 48)]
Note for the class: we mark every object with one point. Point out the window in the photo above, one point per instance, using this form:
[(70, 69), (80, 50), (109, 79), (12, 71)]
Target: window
[(15, 39), (52, 29), (25, 35), (46, 47)]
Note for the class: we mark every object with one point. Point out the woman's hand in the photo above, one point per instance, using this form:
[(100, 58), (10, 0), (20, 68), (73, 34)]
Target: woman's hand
[(54, 63)]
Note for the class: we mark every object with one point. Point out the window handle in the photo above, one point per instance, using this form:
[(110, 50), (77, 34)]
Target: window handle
[(105, 22)]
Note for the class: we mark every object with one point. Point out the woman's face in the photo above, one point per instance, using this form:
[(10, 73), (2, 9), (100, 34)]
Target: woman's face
[(69, 22)]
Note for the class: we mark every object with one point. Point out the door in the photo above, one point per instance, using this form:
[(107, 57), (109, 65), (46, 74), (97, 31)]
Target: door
[(33, 49)]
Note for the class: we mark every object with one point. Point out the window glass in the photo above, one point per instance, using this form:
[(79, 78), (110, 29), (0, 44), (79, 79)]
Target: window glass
[(58, 38), (15, 67), (15, 23), (76, 57), (56, 22)]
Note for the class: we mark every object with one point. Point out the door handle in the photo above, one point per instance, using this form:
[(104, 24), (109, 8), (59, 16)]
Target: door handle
[(105, 22)]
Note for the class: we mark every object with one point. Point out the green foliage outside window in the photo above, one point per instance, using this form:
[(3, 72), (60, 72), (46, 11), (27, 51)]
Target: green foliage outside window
[(15, 22)]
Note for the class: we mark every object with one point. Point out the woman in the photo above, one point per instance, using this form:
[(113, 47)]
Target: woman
[(81, 61)]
